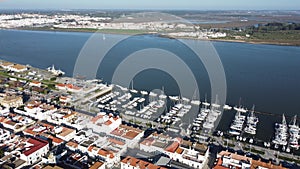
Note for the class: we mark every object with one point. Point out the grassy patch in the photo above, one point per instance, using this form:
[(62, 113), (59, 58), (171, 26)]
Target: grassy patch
[(289, 37)]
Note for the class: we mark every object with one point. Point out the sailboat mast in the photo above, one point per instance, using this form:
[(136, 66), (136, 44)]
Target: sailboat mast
[(252, 111), (295, 120), (283, 120)]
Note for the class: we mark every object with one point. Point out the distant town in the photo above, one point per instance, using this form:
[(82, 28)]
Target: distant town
[(241, 26), (93, 23)]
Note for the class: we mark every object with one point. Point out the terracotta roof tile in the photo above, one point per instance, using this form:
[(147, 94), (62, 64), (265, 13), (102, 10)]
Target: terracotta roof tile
[(140, 163), (256, 163), (130, 134), (72, 144), (179, 150), (116, 141), (95, 119), (105, 153), (36, 145), (96, 165), (219, 165), (108, 122), (172, 148)]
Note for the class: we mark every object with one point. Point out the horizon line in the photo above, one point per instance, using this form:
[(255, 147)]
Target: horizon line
[(154, 9)]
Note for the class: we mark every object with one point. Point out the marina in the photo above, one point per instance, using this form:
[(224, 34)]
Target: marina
[(243, 127), (142, 107)]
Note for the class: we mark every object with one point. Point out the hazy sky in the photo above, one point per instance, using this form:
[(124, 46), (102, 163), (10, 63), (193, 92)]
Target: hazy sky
[(151, 4)]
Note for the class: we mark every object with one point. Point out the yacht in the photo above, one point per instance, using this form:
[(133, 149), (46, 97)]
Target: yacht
[(144, 92), (213, 115), (174, 98), (252, 121), (234, 132), (162, 96), (281, 133), (55, 72), (238, 123), (227, 107), (206, 103), (141, 100), (294, 134), (133, 90), (240, 109), (195, 101)]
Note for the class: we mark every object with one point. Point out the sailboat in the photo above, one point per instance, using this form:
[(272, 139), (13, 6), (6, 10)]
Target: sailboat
[(133, 90), (205, 103), (281, 133), (294, 132), (194, 99), (252, 120), (216, 104), (162, 95), (144, 92), (227, 107), (240, 108), (174, 98), (55, 72)]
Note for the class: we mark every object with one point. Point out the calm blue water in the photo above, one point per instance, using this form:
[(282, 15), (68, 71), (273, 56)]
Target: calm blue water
[(265, 75)]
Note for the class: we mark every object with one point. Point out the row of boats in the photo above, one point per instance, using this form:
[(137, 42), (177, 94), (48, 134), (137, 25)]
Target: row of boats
[(205, 122), (287, 135), (175, 113), (243, 123)]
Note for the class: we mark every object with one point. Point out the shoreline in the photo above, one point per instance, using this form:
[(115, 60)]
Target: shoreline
[(132, 32), (257, 42)]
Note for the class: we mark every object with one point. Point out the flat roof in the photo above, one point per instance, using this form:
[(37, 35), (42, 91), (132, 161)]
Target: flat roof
[(201, 147), (256, 163), (159, 144), (96, 165), (50, 167), (172, 147), (66, 131), (19, 67), (72, 144), (131, 134), (140, 163)]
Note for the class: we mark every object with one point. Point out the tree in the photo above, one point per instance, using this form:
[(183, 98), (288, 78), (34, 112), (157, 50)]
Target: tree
[(1, 153)]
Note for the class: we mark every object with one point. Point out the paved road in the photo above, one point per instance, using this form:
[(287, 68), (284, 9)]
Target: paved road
[(269, 153)]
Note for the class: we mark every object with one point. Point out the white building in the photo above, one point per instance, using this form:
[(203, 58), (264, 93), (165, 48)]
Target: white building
[(34, 150), (69, 87), (195, 156), (232, 160), (14, 67), (192, 154), (66, 134), (104, 123), (35, 84), (129, 134), (11, 101), (155, 143)]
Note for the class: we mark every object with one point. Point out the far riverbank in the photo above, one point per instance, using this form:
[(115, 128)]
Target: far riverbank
[(135, 32)]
